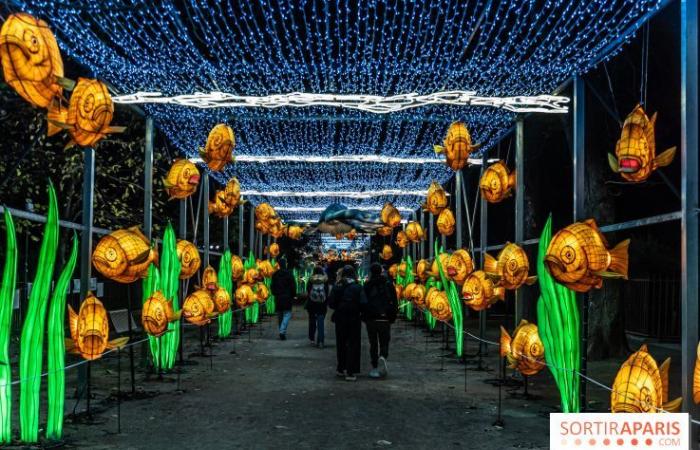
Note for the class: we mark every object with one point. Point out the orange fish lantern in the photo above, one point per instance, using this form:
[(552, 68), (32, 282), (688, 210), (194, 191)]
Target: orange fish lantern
[(511, 267), (496, 183), (244, 296), (414, 232), (124, 255), (219, 148), (434, 269), (423, 269), (696, 377), (393, 270), (390, 216), (635, 153), (198, 308), (578, 257), (641, 386), (90, 113), (32, 64), (218, 206), (459, 265), (439, 306), (480, 292), (222, 300), (387, 253), (274, 250), (457, 146), (89, 330), (401, 239), (182, 179), (251, 276), (436, 200), (399, 291), (261, 292), (265, 268), (232, 193), (265, 212), (524, 351), (416, 294), (402, 268), (210, 279), (385, 231), (277, 230), (189, 258), (237, 269), (446, 222), (156, 313), (294, 232)]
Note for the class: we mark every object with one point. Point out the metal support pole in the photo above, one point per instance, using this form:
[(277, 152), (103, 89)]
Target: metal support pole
[(431, 234), (241, 211), (86, 246), (689, 201), (225, 240), (148, 181), (205, 221), (519, 203), (422, 243), (251, 231), (483, 243), (182, 233), (458, 208), (579, 146)]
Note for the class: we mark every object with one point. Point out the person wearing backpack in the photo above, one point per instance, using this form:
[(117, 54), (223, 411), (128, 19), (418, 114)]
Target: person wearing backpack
[(317, 305), (378, 314)]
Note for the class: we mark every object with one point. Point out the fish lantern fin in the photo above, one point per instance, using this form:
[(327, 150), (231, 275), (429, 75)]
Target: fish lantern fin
[(202, 151), (663, 374), (619, 259), (613, 163), (511, 181), (490, 264), (73, 322), (504, 342), (71, 346), (137, 231), (499, 293), (57, 118), (439, 149), (652, 120), (531, 280), (673, 405), (211, 315), (608, 275), (65, 83), (665, 158), (70, 144), (643, 348), (167, 184), (115, 130), (118, 343)]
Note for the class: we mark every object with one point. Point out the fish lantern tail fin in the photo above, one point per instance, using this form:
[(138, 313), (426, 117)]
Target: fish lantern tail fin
[(663, 374), (696, 378), (73, 324), (619, 258), (673, 405), (439, 149), (115, 130), (511, 180), (665, 158), (57, 118), (65, 83), (531, 280), (613, 163), (505, 342), (499, 293), (70, 346), (118, 343), (490, 264)]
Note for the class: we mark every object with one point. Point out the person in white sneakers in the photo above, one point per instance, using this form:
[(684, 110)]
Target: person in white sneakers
[(379, 313)]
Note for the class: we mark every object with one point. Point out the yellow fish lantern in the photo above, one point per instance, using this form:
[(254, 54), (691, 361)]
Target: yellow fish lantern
[(219, 149), (436, 200), (277, 230), (641, 386), (422, 270), (124, 255), (189, 258), (416, 295), (511, 267), (414, 232), (524, 351), (459, 266), (385, 231), (210, 280), (251, 276), (444, 259), (274, 250), (578, 257), (393, 270), (32, 64), (261, 292), (265, 268), (294, 232), (244, 296), (218, 206), (156, 313), (222, 300), (390, 216), (401, 271), (90, 113), (439, 306), (89, 330), (635, 153), (496, 183), (457, 146), (232, 193), (198, 308), (401, 239), (446, 222), (182, 179), (696, 378), (237, 269), (387, 253), (264, 212), (479, 291)]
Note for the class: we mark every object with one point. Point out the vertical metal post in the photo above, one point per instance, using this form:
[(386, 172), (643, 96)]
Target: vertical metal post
[(579, 154), (148, 181), (431, 235), (225, 239), (689, 201), (86, 247), (241, 211), (182, 234), (519, 203), (205, 221), (458, 208), (483, 243), (421, 251), (251, 231)]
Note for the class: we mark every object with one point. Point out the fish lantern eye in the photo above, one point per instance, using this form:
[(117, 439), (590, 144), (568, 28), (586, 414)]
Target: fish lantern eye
[(31, 39), (494, 184), (88, 104), (186, 257), (186, 172), (568, 254), (111, 254), (512, 265), (645, 400)]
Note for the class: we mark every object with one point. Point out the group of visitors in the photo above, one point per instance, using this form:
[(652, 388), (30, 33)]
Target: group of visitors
[(373, 303)]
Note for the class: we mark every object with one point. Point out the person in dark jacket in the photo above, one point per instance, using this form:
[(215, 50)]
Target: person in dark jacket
[(347, 299), (317, 305), (379, 313), (284, 289)]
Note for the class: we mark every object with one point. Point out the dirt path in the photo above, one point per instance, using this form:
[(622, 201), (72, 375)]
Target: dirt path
[(274, 394)]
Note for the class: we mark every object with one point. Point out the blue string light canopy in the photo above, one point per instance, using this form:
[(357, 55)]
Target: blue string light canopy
[(342, 47)]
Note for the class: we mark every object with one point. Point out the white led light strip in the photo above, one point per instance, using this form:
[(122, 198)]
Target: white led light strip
[(369, 103), (320, 209), (319, 159), (348, 194)]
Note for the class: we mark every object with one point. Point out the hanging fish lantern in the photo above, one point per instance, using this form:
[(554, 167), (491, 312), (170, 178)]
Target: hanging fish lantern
[(182, 179), (444, 259), (89, 330), (210, 280), (401, 271), (261, 292), (198, 308), (641, 386), (244, 296), (480, 292), (265, 269), (459, 266), (696, 377), (387, 253), (32, 64), (436, 200), (393, 270), (401, 239), (439, 306), (578, 257), (251, 276), (416, 295), (390, 216), (274, 250), (232, 193), (385, 231), (497, 183), (222, 300), (156, 313), (219, 148), (264, 212), (446, 222), (511, 267), (524, 351), (237, 269), (124, 255), (414, 232), (457, 146), (422, 270), (277, 230), (218, 206), (294, 232), (635, 153), (189, 258), (399, 291)]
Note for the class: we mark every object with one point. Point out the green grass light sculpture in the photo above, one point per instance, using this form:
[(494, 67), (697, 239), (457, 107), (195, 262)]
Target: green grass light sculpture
[(225, 281), (7, 294), (170, 283), (455, 303), (150, 285)]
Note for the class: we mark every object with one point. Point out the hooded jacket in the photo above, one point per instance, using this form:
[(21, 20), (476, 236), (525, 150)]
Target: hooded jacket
[(314, 307)]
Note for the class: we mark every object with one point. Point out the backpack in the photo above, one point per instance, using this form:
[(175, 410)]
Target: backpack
[(318, 293), (378, 299)]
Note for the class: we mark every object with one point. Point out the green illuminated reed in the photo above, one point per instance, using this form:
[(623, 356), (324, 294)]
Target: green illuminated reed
[(169, 283), (7, 295), (408, 279), (270, 304), (429, 319), (559, 327), (225, 281), (150, 285), (57, 348), (32, 340), (252, 312), (455, 303)]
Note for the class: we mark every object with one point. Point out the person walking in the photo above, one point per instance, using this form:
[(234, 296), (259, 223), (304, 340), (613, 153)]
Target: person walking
[(317, 305), (347, 299), (284, 290), (378, 314)]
